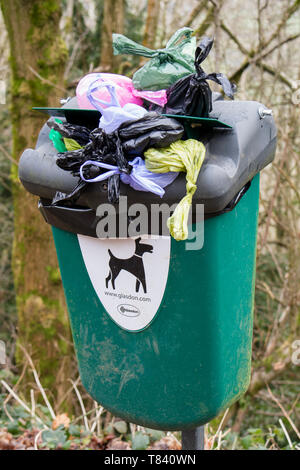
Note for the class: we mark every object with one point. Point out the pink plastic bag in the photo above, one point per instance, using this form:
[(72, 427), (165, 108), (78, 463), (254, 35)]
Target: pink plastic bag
[(112, 114), (157, 97), (126, 93)]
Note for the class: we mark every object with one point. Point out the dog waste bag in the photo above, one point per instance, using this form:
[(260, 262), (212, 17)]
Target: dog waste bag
[(112, 113), (191, 95), (116, 149), (165, 65), (126, 92), (186, 156), (152, 130)]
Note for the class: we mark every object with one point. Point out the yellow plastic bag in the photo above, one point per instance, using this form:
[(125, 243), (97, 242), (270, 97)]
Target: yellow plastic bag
[(186, 156), (71, 145)]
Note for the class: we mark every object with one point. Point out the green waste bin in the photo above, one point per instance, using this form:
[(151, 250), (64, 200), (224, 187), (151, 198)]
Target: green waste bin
[(171, 349)]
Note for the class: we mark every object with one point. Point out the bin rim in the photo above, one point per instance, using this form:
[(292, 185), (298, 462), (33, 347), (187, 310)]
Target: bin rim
[(204, 121)]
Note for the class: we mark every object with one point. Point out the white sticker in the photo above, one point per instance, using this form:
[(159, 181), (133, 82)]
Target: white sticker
[(129, 276)]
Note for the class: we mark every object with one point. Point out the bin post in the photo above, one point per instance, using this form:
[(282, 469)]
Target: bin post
[(193, 439)]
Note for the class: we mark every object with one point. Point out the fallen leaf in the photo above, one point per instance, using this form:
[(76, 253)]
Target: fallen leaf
[(117, 444), (61, 420), (167, 443)]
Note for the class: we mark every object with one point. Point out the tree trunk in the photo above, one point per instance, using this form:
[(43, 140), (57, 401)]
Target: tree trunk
[(67, 24), (113, 22), (38, 58), (151, 23)]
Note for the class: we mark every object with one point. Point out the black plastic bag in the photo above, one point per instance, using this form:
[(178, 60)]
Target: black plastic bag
[(101, 148), (71, 131), (133, 138), (153, 130), (70, 198), (191, 95)]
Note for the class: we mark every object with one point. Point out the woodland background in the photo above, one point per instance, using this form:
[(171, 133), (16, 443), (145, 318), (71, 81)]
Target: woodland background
[(46, 46)]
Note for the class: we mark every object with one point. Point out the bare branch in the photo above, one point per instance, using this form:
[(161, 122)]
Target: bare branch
[(285, 17), (73, 56), (7, 155), (261, 376), (278, 45), (45, 80), (285, 80), (284, 412), (206, 23), (236, 76), (195, 12), (253, 57), (235, 39)]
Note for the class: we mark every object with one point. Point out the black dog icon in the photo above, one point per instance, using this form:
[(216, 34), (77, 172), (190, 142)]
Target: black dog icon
[(133, 265)]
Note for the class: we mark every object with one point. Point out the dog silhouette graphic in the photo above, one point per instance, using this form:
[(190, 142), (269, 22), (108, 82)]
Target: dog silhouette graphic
[(133, 265)]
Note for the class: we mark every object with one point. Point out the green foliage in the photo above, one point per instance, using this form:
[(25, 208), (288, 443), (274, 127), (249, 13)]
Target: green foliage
[(17, 421), (53, 439), (54, 275), (120, 427), (140, 441), (154, 434), (256, 439)]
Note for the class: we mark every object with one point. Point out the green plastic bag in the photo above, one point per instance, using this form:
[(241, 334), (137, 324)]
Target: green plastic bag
[(61, 144), (187, 156), (166, 65), (57, 139)]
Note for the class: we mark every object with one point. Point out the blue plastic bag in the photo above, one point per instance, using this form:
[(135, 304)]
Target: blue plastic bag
[(139, 178)]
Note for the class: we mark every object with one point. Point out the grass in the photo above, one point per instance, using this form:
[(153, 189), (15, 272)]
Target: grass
[(35, 424)]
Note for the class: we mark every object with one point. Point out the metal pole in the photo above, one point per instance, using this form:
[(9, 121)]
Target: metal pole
[(193, 439)]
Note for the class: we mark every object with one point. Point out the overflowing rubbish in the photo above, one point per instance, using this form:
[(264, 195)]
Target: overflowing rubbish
[(139, 138), (112, 151), (66, 130), (125, 91), (152, 130), (112, 114), (191, 95), (72, 145), (102, 147), (57, 140), (139, 177), (186, 156), (165, 66), (123, 86)]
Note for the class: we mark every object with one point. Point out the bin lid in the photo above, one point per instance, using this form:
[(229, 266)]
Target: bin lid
[(242, 144), (91, 116)]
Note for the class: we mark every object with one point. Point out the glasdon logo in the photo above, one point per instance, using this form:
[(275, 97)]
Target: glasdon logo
[(128, 310)]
